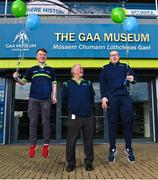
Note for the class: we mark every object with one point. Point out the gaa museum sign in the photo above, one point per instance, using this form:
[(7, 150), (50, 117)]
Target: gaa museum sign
[(78, 41)]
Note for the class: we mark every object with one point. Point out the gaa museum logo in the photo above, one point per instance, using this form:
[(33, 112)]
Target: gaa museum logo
[(20, 42)]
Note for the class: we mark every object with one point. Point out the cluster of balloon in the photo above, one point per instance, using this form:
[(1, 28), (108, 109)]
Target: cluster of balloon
[(32, 22), (118, 15), (18, 8)]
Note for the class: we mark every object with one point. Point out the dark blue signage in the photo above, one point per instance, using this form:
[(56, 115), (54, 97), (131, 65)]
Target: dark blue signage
[(78, 41)]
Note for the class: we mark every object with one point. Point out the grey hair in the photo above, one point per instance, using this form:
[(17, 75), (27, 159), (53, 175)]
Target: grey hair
[(73, 67)]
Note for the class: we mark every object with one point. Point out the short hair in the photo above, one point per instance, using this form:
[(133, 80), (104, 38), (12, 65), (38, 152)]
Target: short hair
[(73, 67), (41, 49), (113, 51)]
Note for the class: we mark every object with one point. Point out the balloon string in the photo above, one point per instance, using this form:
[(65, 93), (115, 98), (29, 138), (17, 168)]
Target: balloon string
[(127, 53), (127, 48), (22, 50)]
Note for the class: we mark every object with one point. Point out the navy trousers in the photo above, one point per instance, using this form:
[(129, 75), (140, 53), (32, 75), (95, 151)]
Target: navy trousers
[(120, 107)]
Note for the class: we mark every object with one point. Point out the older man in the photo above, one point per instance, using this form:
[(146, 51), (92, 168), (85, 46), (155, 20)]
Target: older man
[(79, 94), (114, 81)]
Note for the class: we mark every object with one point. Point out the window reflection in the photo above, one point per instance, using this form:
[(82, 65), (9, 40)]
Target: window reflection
[(142, 103), (99, 117)]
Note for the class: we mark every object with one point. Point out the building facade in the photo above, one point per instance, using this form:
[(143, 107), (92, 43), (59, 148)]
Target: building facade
[(88, 41)]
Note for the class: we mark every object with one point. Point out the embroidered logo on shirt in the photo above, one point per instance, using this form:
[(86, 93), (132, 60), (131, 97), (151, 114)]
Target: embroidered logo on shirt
[(84, 84)]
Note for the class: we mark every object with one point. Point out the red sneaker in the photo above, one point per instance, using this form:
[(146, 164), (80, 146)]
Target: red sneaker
[(45, 151), (32, 150)]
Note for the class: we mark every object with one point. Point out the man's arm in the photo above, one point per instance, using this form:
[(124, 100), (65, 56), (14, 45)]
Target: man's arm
[(54, 91), (17, 79), (131, 76), (103, 89), (92, 93)]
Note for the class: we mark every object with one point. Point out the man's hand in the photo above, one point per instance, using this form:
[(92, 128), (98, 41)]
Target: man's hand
[(54, 99), (15, 75), (104, 103), (130, 78)]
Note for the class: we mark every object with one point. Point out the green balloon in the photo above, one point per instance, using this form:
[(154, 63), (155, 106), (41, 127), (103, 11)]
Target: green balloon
[(18, 8), (118, 15)]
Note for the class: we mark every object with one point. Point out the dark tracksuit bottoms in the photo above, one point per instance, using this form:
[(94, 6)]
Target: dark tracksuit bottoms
[(120, 106)]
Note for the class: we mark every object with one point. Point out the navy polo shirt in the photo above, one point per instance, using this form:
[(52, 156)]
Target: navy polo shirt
[(112, 79), (79, 96), (41, 81)]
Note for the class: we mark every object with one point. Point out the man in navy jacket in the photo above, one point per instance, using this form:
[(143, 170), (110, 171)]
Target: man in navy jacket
[(78, 93), (114, 82)]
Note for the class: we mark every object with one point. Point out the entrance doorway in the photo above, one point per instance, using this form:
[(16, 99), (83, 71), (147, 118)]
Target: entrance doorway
[(143, 116)]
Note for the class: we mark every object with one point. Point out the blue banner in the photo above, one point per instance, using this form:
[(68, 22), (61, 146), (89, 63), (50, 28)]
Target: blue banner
[(78, 41)]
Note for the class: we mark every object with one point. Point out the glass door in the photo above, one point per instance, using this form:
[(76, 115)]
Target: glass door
[(99, 116), (142, 126)]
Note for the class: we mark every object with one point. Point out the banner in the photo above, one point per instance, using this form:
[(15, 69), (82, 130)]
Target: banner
[(50, 7), (141, 12), (78, 41)]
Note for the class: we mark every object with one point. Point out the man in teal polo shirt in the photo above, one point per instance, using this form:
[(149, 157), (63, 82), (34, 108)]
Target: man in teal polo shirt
[(42, 91)]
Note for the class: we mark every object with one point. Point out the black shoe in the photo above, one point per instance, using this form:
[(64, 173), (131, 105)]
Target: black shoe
[(112, 155), (70, 167), (88, 167), (130, 155)]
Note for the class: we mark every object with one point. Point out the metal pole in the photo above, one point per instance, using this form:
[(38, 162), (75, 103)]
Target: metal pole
[(6, 5)]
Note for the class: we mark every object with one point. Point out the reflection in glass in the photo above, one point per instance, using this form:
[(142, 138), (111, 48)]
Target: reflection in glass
[(99, 118)]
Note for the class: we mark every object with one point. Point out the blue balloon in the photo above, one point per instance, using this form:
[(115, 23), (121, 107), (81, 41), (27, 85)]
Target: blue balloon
[(130, 24), (33, 22)]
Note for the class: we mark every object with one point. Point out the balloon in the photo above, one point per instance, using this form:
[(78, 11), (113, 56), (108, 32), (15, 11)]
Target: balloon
[(18, 8), (130, 24), (118, 15), (32, 22)]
